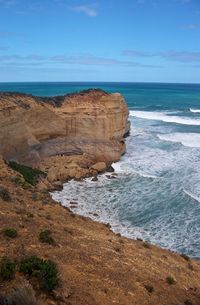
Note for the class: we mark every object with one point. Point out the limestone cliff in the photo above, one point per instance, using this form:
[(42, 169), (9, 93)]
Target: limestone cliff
[(91, 124)]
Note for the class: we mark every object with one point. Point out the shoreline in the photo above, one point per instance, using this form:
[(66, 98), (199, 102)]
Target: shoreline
[(129, 233)]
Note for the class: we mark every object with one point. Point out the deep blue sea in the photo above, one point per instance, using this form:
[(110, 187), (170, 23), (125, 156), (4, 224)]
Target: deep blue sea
[(156, 195)]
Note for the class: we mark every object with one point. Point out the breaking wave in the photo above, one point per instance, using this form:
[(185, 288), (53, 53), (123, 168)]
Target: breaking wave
[(164, 117), (195, 110), (186, 139)]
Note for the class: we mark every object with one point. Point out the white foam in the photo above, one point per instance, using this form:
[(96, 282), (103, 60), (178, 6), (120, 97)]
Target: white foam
[(164, 117), (195, 110), (123, 167), (192, 195), (145, 175), (186, 139), (97, 207)]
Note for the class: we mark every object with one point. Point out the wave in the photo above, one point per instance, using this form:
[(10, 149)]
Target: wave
[(163, 116), (146, 175), (192, 195), (186, 139), (123, 167), (195, 110)]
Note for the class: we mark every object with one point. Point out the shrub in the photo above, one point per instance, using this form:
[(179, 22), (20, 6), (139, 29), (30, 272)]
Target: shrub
[(45, 271), (4, 194), (7, 268), (30, 264), (48, 275), (45, 237), (170, 280), (22, 295), (30, 174), (10, 232), (149, 288)]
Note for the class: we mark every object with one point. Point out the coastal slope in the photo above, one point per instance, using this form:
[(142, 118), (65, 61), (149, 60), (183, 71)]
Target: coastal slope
[(96, 266)]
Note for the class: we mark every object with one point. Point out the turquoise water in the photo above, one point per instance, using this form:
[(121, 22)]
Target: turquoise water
[(166, 96), (156, 195)]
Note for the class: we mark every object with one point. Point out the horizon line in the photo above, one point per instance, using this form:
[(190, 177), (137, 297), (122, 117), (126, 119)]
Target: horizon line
[(108, 82)]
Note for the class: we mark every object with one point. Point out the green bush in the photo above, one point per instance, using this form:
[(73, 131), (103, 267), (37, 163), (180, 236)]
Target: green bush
[(7, 268), (45, 237), (4, 194), (45, 271), (30, 174), (10, 232), (48, 275), (170, 280), (30, 264)]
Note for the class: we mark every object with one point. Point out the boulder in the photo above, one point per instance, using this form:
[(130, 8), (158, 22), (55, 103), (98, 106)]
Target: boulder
[(99, 167)]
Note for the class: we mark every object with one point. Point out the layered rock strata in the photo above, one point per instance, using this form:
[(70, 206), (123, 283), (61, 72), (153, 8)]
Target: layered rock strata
[(89, 126)]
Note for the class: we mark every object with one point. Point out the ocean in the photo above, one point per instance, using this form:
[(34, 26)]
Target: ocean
[(156, 195)]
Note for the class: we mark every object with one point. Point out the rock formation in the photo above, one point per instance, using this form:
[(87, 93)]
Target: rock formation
[(89, 126)]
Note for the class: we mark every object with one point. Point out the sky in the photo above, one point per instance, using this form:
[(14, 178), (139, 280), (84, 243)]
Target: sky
[(100, 40)]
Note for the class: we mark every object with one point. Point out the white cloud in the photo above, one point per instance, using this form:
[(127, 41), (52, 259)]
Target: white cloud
[(179, 56), (95, 61), (88, 9), (81, 60)]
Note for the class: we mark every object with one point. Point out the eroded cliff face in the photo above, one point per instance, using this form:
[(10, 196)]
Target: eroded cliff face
[(91, 125)]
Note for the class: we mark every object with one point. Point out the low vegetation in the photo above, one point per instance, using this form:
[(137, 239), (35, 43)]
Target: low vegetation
[(31, 175), (4, 194), (10, 232), (170, 280), (45, 237), (44, 270), (7, 268)]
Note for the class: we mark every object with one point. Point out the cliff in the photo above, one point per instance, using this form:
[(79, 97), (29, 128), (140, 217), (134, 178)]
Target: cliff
[(89, 125)]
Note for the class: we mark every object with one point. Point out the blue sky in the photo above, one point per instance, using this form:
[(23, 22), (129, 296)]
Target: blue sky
[(103, 40)]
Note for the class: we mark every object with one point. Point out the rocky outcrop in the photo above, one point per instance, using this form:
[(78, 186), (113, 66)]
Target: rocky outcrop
[(90, 125)]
